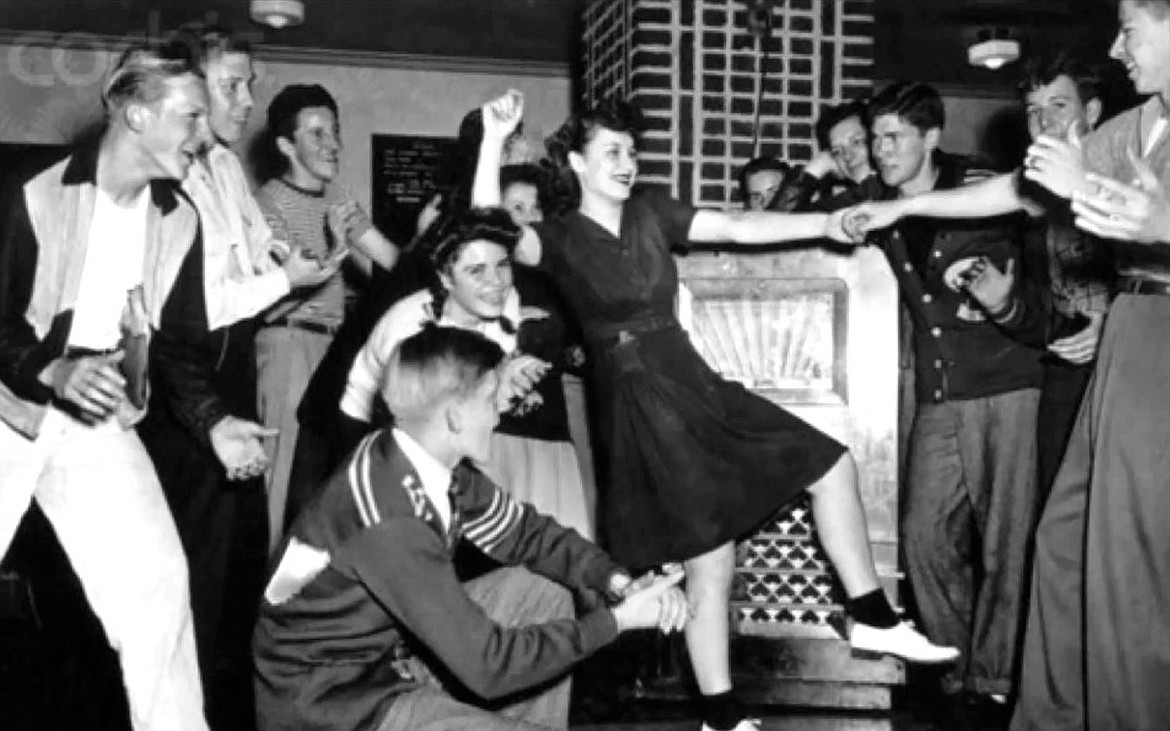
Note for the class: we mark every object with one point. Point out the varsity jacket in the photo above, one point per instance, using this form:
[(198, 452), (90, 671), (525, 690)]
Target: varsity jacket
[(959, 353), (45, 219), (365, 578)]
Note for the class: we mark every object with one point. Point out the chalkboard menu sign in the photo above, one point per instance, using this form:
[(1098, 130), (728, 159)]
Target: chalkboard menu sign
[(404, 179)]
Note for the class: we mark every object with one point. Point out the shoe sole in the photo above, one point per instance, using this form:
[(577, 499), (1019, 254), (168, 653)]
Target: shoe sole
[(861, 654)]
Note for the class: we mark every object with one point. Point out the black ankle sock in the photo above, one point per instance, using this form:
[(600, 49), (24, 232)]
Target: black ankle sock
[(722, 711), (872, 609)]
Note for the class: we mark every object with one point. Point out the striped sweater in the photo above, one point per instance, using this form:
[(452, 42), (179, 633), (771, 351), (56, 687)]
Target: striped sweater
[(368, 565)]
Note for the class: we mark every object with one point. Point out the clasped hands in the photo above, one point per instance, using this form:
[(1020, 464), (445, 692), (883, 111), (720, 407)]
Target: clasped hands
[(518, 376), (652, 600)]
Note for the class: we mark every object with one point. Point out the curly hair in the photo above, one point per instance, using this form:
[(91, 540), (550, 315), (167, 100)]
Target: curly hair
[(616, 115), (444, 241)]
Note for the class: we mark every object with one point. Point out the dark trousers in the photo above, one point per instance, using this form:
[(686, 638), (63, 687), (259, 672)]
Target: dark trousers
[(968, 513), (223, 527), (1060, 399)]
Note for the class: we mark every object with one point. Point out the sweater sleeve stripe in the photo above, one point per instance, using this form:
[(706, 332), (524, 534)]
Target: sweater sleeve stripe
[(359, 483), (501, 517), (367, 480)]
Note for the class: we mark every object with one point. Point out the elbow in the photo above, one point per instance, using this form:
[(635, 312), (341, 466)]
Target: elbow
[(486, 682)]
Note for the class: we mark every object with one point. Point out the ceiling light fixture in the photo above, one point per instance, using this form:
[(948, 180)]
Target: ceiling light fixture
[(278, 13), (993, 50)]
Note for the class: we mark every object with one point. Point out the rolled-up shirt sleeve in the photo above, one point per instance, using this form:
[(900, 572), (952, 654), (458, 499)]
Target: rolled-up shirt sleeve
[(401, 321)]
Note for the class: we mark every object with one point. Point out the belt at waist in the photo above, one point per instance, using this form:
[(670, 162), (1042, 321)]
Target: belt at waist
[(618, 330), (315, 327), (1138, 285)]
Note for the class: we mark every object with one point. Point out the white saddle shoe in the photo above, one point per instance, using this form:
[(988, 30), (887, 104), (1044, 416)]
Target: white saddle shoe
[(901, 640)]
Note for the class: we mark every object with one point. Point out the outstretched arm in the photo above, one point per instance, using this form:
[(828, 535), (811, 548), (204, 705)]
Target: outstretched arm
[(764, 227), (994, 196)]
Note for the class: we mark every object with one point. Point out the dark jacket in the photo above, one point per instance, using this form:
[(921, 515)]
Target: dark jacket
[(803, 192), (45, 219), (200, 375), (327, 653), (959, 352)]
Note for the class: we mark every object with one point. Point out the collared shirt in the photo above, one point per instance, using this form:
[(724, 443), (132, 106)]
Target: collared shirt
[(241, 278), (113, 267), (435, 478), (1108, 152)]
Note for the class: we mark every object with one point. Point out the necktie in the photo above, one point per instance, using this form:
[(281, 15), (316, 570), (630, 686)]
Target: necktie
[(456, 525)]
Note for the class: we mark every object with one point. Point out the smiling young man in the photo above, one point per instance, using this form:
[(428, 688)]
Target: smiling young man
[(319, 222), (218, 501), (1071, 271), (365, 624), (1097, 648), (971, 476), (91, 250)]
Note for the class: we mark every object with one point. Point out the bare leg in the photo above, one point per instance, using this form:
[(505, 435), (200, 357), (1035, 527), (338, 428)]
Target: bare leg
[(708, 633), (840, 522)]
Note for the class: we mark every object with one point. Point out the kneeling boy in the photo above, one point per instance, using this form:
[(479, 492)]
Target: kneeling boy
[(364, 624)]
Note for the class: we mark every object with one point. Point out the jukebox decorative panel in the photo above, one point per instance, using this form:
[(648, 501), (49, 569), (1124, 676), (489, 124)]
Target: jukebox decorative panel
[(815, 332)]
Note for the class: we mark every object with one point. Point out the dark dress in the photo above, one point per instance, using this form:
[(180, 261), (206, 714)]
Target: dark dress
[(688, 460)]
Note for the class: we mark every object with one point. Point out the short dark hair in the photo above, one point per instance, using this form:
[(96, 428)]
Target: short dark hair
[(917, 103), (290, 101), (527, 174), (205, 42), (759, 165), (1041, 71), (434, 365), (835, 115)]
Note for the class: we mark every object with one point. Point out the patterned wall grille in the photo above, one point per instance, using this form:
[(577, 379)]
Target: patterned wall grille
[(697, 73)]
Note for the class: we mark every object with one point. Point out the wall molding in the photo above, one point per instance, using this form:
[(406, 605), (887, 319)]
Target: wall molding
[(1007, 92), (309, 55)]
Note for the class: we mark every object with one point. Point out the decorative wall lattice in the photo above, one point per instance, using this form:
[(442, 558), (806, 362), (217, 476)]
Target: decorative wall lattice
[(696, 73), (783, 575)]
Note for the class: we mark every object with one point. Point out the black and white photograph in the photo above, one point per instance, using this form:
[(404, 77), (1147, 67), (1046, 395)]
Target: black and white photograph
[(606, 365)]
